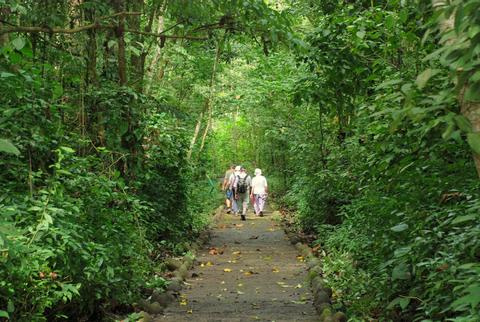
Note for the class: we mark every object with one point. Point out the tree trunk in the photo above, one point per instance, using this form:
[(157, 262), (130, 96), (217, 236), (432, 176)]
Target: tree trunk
[(136, 70), (119, 6), (157, 68), (209, 99), (471, 110), (195, 136)]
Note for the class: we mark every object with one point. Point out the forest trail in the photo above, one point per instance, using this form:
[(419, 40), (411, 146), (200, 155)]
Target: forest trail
[(248, 272)]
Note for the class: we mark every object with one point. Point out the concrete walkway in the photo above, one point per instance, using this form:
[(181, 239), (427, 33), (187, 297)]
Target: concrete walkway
[(249, 272)]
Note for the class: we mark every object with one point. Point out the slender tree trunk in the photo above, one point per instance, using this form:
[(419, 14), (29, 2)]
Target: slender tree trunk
[(209, 99), (119, 6), (471, 110), (136, 69), (157, 68), (195, 136)]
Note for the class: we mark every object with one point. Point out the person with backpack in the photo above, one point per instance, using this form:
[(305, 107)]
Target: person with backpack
[(259, 192), (242, 190)]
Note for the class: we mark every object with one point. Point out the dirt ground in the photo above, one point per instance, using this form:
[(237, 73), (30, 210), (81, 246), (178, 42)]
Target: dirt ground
[(248, 272)]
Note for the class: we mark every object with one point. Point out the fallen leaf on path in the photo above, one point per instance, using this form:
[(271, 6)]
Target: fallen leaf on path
[(282, 284), (271, 229), (248, 273), (253, 237), (213, 251), (275, 270), (299, 286), (237, 253), (300, 258), (222, 282), (238, 225), (240, 292), (209, 264), (190, 311), (239, 284), (183, 302), (228, 270)]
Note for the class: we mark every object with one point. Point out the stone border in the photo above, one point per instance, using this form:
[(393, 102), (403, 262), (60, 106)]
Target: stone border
[(157, 302), (322, 294)]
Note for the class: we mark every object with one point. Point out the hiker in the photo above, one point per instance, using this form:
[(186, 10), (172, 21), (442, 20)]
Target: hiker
[(231, 185), (242, 190), (259, 192), (228, 189)]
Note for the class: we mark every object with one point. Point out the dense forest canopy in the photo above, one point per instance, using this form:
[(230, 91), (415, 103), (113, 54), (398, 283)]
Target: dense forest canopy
[(117, 116)]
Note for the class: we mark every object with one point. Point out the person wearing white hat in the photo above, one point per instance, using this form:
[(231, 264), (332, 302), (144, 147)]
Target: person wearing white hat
[(259, 192)]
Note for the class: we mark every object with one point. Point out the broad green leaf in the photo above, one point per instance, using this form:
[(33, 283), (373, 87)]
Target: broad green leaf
[(7, 147), (4, 314), (458, 18), (473, 140), (18, 43), (463, 123), (400, 272), (361, 34), (10, 306), (424, 77), (404, 302), (5, 74), (462, 219), (472, 299), (447, 134), (402, 251), (472, 94), (67, 149), (399, 227)]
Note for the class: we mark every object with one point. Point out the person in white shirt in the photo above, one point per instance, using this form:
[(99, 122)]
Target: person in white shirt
[(259, 192)]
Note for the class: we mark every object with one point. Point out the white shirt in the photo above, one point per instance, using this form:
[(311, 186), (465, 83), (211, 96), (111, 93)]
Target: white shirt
[(259, 185)]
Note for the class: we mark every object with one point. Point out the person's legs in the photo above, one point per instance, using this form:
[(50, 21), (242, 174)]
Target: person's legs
[(243, 201), (261, 203), (256, 204), (228, 200), (245, 204), (234, 206)]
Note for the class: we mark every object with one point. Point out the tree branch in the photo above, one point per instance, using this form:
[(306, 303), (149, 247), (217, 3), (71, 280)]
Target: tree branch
[(95, 25)]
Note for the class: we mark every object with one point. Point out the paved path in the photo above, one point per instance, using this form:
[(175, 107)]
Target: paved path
[(249, 272)]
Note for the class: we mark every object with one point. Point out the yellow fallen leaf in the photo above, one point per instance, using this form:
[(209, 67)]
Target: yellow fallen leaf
[(228, 270), (183, 302), (190, 311), (209, 264), (222, 282), (247, 273), (239, 284), (202, 265), (300, 258), (299, 286), (240, 292), (275, 270), (237, 253)]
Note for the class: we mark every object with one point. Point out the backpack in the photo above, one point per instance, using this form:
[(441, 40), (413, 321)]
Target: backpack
[(242, 184)]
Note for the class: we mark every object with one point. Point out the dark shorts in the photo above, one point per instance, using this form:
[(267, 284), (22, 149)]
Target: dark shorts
[(229, 193)]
